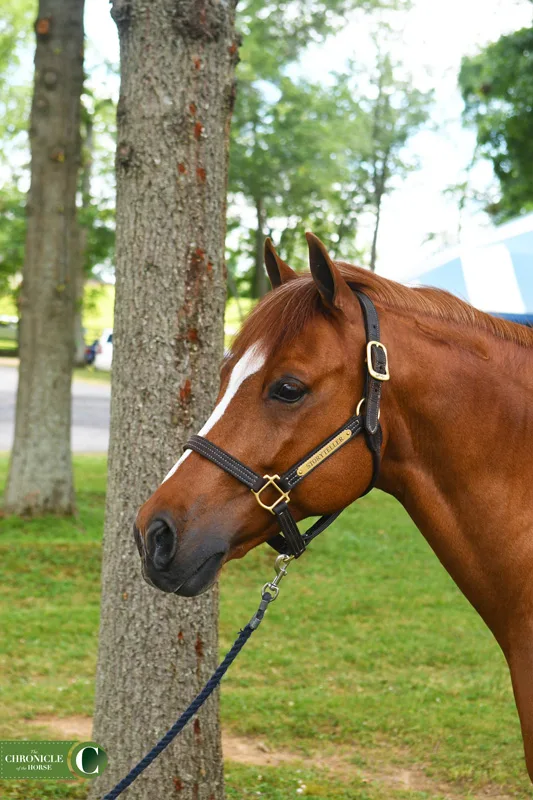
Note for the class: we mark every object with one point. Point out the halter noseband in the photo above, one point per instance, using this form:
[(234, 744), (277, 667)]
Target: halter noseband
[(365, 420)]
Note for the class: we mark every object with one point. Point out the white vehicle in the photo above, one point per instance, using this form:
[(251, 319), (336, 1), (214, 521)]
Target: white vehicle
[(104, 351)]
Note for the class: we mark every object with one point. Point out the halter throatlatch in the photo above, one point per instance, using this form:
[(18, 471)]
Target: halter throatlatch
[(365, 420)]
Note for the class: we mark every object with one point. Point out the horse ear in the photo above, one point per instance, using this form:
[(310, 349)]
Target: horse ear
[(334, 291), (278, 271)]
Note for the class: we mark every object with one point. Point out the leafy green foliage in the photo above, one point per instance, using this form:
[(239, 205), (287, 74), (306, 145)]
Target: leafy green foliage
[(319, 156), (285, 155), (96, 215), (306, 155), (15, 28), (274, 33), (497, 87), (274, 166), (397, 111), (12, 234), (15, 34)]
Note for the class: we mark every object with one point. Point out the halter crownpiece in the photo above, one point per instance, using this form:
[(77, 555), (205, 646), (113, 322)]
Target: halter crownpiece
[(365, 420)]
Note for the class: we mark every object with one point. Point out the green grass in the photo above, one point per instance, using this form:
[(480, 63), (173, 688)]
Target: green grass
[(91, 375), (8, 307), (371, 656), (8, 346)]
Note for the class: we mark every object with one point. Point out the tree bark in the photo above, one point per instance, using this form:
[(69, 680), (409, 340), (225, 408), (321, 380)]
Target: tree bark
[(261, 284), (40, 473), (156, 650), (379, 191)]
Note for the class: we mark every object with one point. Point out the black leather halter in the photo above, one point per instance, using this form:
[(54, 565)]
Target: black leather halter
[(365, 420)]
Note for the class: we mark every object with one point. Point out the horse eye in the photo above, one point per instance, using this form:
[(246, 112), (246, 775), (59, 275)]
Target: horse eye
[(288, 391)]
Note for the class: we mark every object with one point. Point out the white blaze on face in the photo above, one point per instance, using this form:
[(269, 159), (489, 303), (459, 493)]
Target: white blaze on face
[(250, 363)]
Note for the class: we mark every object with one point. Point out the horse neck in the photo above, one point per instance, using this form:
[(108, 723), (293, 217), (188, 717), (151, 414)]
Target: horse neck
[(458, 423)]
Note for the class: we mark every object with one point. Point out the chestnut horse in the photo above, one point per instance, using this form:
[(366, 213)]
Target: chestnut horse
[(457, 446)]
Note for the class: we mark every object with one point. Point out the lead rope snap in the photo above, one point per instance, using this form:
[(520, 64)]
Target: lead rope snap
[(270, 590), (269, 593)]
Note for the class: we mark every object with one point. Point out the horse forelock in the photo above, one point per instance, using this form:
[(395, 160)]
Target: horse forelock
[(280, 317)]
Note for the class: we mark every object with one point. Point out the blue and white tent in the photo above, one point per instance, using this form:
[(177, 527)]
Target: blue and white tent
[(496, 275)]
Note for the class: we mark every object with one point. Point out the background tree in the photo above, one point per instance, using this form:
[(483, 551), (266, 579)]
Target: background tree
[(176, 97), (396, 110), (275, 34), (283, 161), (40, 473), (356, 131), (320, 156), (95, 198), (497, 87)]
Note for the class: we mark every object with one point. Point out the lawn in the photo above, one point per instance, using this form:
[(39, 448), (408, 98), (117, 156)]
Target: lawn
[(8, 347), (91, 375), (370, 663)]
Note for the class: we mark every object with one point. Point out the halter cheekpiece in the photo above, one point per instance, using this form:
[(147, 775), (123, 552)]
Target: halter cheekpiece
[(365, 420)]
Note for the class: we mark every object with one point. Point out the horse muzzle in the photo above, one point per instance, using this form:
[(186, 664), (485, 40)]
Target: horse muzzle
[(187, 568)]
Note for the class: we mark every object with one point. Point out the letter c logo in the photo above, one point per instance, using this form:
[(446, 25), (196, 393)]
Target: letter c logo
[(80, 760), (87, 760)]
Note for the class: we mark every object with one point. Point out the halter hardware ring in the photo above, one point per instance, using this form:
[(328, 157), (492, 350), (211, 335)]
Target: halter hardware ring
[(360, 405), (378, 376), (271, 481)]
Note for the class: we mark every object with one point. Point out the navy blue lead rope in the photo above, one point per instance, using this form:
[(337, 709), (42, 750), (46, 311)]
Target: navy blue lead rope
[(208, 689)]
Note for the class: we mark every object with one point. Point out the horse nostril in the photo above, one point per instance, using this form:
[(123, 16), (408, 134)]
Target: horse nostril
[(161, 542)]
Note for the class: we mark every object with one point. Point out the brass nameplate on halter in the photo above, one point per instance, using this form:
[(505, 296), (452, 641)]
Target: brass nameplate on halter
[(326, 451)]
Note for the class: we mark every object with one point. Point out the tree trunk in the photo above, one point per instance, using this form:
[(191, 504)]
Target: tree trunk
[(156, 650), (374, 247), (380, 182), (261, 285), (40, 474)]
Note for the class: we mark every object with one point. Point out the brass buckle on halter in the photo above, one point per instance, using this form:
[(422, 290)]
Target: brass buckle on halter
[(271, 481), (378, 376)]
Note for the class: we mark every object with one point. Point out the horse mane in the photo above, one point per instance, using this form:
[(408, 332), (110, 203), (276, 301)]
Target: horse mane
[(283, 313)]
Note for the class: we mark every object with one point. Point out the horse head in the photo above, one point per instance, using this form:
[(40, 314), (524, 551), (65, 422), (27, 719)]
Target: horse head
[(294, 374)]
